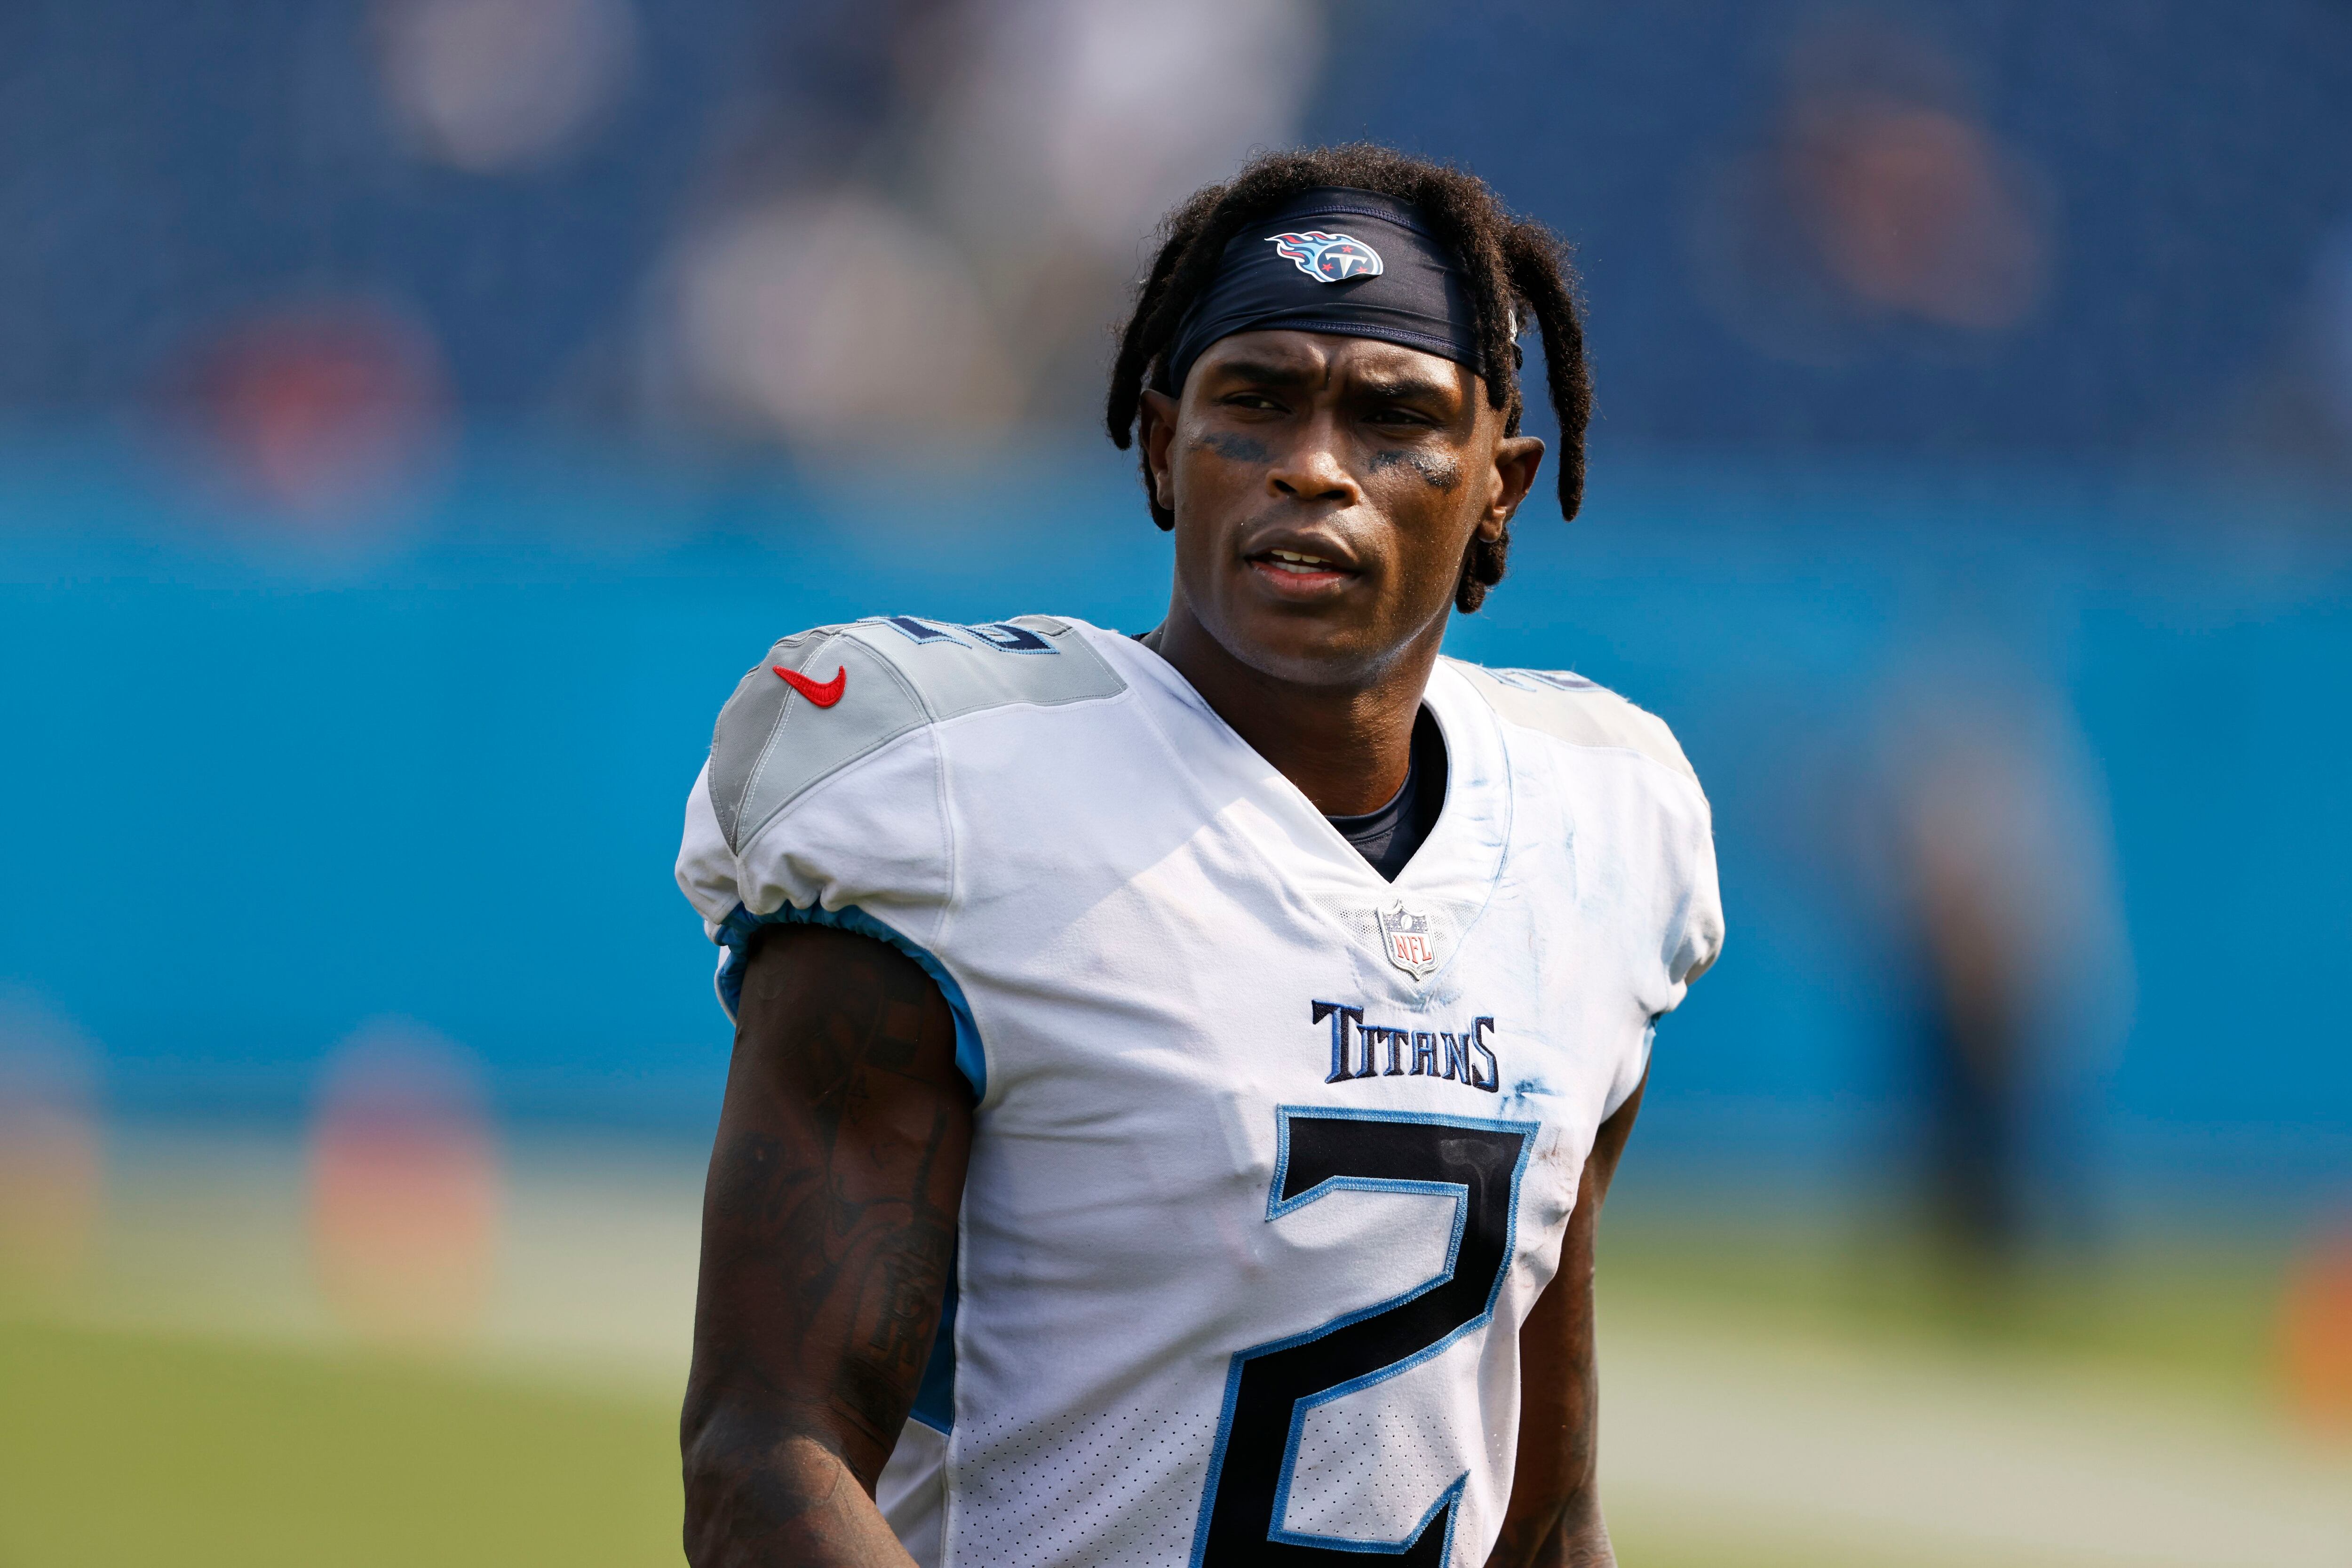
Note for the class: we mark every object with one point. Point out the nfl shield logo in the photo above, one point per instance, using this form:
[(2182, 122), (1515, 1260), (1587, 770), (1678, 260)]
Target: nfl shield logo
[(1406, 936), (1328, 258)]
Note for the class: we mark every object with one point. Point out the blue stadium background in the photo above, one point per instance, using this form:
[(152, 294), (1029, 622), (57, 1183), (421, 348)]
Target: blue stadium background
[(260, 789)]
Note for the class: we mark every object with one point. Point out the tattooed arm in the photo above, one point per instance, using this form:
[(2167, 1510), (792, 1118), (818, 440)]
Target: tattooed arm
[(827, 1227), (1554, 1518)]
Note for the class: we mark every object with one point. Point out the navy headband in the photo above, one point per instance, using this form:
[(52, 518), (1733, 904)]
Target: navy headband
[(1334, 259)]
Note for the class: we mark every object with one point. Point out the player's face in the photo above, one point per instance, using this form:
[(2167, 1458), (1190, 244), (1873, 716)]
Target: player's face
[(1326, 489)]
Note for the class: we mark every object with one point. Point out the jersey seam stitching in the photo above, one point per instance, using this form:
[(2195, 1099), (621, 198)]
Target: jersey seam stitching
[(767, 749), (1671, 771), (949, 906), (927, 725), (1502, 859), (851, 766), (1686, 772)]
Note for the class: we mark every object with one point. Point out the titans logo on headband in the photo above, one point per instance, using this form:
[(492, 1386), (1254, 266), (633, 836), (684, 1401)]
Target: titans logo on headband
[(1328, 258)]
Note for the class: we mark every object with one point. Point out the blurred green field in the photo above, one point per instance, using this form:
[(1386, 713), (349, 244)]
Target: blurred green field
[(2194, 1312), (122, 1448), (137, 1446), (1778, 1389), (1859, 1401), (126, 1448)]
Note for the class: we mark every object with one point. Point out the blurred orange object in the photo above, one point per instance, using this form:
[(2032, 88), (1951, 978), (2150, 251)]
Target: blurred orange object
[(51, 1184), (52, 1164), (405, 1188), (2316, 1333)]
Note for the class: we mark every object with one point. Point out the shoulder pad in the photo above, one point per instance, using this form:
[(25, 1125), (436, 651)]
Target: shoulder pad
[(1570, 708), (775, 739)]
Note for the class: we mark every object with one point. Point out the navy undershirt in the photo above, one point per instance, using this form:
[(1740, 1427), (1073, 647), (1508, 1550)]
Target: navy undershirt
[(1388, 838)]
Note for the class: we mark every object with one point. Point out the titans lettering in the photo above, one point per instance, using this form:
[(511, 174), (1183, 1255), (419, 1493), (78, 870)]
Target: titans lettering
[(1358, 1048)]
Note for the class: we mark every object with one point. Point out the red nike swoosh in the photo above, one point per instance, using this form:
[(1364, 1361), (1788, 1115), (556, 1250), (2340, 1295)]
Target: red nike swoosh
[(824, 694)]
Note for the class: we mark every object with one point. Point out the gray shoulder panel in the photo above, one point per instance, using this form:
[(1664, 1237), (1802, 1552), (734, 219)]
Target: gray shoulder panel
[(898, 673), (962, 669), (1571, 709)]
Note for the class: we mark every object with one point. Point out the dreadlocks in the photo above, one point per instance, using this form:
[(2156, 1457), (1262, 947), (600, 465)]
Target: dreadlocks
[(1509, 265)]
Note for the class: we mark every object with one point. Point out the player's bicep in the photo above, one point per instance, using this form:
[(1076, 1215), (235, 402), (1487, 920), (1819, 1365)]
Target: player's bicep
[(829, 1219)]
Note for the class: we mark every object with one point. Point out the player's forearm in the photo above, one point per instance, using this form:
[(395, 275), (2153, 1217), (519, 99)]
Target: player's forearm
[(1582, 1539), (1570, 1535), (1553, 1520), (759, 1494)]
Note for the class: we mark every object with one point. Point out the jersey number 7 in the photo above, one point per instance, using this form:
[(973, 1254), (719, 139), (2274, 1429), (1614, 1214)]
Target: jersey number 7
[(1272, 1387)]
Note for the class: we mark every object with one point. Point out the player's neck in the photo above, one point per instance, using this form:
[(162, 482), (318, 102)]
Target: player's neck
[(1347, 748)]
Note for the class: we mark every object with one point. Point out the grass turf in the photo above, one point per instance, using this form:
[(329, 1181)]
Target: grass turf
[(124, 1447), (121, 1448), (2197, 1314)]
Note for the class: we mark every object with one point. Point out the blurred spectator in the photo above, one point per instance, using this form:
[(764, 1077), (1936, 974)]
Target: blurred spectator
[(2331, 338), (329, 410), (1881, 201), (2001, 885), (502, 86), (2298, 405), (950, 265), (1073, 126), (1868, 188), (834, 319)]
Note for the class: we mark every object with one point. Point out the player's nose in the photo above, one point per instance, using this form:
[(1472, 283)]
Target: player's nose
[(1311, 470)]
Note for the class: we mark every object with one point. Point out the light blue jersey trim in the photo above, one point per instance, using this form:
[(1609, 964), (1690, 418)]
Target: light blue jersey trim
[(935, 1398), (735, 937)]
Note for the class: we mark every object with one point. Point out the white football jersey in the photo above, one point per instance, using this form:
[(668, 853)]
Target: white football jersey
[(1271, 1157)]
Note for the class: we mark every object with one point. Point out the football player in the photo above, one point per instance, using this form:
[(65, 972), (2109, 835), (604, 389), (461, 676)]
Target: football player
[(1176, 1079)]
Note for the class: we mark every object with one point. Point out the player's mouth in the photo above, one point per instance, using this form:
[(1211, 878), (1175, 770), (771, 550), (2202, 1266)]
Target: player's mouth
[(1298, 573)]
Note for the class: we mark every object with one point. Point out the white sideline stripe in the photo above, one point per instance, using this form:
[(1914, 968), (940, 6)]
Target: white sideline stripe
[(1886, 1445)]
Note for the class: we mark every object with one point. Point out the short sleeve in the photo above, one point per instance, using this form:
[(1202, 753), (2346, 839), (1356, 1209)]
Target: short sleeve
[(1697, 936), (821, 799), (1688, 913)]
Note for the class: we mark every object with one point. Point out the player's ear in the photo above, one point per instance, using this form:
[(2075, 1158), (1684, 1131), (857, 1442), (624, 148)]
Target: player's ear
[(1517, 459), (1158, 416)]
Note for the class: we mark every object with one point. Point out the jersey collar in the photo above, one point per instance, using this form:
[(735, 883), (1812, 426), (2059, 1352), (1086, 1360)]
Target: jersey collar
[(1458, 863)]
